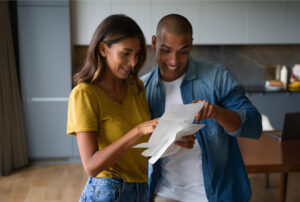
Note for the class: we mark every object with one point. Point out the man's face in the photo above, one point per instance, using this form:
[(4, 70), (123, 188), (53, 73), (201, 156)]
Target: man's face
[(172, 54)]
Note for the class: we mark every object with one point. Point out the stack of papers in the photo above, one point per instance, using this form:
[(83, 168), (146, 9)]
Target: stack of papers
[(177, 121)]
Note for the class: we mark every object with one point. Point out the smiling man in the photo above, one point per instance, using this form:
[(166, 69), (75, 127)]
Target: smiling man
[(211, 169)]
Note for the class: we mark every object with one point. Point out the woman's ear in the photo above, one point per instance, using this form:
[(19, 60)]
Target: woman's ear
[(103, 49)]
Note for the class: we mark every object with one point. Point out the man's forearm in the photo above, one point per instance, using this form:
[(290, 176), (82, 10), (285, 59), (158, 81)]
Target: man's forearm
[(229, 120)]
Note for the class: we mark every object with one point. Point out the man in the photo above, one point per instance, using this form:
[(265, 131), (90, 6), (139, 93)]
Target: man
[(213, 169)]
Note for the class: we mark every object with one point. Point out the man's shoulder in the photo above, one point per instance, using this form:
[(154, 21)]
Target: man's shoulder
[(207, 68), (147, 78)]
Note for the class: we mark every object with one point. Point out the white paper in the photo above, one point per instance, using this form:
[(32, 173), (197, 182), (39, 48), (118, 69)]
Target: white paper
[(176, 122)]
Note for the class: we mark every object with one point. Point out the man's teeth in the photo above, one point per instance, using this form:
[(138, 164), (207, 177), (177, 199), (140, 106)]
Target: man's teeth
[(172, 68)]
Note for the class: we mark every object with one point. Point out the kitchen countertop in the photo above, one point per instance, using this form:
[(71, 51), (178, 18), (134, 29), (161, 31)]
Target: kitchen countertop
[(261, 89)]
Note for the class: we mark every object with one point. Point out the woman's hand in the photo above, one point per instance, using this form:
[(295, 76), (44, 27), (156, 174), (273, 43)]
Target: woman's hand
[(147, 127)]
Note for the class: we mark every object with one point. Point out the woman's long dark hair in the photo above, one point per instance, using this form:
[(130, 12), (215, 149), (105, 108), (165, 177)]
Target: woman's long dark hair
[(112, 30)]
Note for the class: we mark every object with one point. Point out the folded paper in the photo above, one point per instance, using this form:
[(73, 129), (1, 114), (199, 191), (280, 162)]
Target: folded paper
[(176, 122)]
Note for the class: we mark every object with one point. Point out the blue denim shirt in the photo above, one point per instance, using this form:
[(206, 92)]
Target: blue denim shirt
[(224, 173)]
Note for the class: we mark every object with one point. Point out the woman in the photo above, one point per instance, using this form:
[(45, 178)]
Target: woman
[(108, 113)]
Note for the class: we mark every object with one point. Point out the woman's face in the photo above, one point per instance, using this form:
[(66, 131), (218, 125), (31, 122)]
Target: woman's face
[(122, 57)]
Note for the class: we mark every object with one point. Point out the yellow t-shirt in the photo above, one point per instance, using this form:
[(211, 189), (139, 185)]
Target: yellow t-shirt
[(90, 109)]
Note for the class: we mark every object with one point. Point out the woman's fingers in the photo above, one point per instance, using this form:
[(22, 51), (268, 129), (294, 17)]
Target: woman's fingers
[(148, 126)]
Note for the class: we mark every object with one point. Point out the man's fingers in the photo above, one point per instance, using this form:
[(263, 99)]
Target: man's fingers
[(197, 117), (187, 145), (210, 111), (187, 138), (203, 111)]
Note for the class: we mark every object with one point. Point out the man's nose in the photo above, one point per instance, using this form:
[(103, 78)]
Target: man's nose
[(173, 60)]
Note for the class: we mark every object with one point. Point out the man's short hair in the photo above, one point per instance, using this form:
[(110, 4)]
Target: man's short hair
[(175, 24)]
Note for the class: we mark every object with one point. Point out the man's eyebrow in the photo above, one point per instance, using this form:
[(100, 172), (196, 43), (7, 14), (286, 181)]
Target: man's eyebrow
[(184, 47), (163, 45)]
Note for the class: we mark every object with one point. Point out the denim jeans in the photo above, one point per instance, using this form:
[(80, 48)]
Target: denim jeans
[(113, 189)]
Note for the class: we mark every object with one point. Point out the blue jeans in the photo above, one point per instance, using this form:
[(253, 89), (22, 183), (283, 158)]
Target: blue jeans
[(113, 189)]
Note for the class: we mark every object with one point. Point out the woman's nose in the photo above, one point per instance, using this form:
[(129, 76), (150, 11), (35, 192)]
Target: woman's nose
[(133, 61)]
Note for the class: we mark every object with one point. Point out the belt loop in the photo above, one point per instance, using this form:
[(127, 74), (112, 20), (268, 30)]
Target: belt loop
[(123, 184)]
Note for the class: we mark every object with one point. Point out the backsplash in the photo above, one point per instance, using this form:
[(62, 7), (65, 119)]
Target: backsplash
[(246, 62)]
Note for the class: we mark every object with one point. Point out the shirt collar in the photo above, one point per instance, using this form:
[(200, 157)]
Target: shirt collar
[(191, 71)]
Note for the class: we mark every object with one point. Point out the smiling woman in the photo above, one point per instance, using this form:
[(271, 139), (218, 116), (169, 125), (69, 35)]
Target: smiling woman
[(106, 91)]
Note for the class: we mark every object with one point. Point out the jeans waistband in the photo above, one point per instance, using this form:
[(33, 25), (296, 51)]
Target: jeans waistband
[(115, 183)]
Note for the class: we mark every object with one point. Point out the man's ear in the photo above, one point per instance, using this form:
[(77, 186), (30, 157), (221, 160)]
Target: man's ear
[(103, 49), (154, 42)]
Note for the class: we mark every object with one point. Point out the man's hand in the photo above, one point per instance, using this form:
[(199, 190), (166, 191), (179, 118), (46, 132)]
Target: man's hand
[(229, 120), (208, 111), (187, 141)]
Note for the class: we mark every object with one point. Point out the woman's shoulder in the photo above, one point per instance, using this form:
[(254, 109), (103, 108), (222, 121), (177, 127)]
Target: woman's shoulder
[(83, 89)]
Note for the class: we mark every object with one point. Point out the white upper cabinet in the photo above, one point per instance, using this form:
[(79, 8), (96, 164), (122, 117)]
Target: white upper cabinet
[(189, 9), (293, 28), (140, 11), (85, 18), (214, 22), (223, 22), (267, 22)]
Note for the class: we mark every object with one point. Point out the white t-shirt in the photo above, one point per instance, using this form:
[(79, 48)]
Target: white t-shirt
[(181, 173)]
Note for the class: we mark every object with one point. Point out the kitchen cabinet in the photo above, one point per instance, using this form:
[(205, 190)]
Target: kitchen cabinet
[(222, 22), (293, 28), (45, 76), (275, 105), (214, 22), (267, 22), (45, 125), (85, 17), (293, 102), (139, 11), (189, 9)]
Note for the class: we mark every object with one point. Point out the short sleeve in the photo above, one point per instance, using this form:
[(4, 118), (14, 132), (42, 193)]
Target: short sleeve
[(82, 112)]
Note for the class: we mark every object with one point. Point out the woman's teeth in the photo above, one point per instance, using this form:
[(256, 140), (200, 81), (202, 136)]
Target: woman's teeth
[(126, 69)]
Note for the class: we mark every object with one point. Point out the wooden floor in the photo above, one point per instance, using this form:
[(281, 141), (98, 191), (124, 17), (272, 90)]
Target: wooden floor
[(64, 183), (55, 183)]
